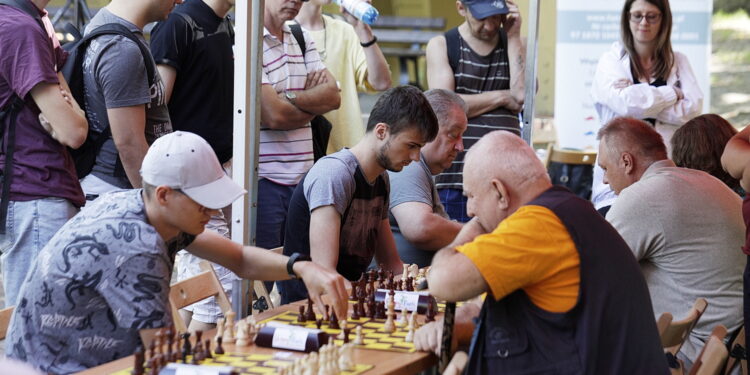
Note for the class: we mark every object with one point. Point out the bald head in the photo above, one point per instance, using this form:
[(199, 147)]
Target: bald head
[(501, 173), (507, 157)]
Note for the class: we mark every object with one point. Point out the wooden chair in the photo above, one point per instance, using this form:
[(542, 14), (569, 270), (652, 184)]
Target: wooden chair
[(271, 297), (5, 315), (737, 353), (674, 333), (570, 156), (714, 354), (194, 289)]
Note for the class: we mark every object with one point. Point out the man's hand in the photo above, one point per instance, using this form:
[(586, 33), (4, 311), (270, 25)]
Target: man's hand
[(319, 281), (428, 338), (512, 23)]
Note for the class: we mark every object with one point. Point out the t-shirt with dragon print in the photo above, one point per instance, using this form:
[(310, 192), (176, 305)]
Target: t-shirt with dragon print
[(103, 277)]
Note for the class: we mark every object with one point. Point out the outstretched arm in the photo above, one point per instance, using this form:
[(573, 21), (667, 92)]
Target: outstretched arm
[(259, 264), (423, 228)]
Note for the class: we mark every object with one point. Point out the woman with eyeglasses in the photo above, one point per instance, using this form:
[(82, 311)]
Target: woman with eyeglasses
[(642, 77)]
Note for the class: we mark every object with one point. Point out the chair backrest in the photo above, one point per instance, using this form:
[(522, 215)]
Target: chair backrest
[(5, 315), (737, 353), (714, 354), (194, 289), (570, 156), (674, 333)]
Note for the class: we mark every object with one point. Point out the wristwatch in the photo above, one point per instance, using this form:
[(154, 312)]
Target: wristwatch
[(291, 97), (296, 257)]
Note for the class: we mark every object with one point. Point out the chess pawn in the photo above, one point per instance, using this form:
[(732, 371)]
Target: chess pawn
[(301, 318), (228, 334), (242, 335), (389, 325), (413, 271), (413, 320), (219, 349), (358, 340), (405, 272), (312, 363), (403, 320), (410, 335), (219, 328)]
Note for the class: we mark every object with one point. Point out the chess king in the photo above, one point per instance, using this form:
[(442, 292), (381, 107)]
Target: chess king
[(105, 274)]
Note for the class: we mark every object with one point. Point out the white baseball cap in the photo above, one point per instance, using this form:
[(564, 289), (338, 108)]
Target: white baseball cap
[(185, 161)]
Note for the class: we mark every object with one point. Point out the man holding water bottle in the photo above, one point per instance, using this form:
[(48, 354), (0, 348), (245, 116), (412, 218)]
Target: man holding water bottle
[(350, 52)]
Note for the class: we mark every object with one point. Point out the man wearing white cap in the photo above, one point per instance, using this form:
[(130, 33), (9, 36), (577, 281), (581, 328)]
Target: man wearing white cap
[(105, 275)]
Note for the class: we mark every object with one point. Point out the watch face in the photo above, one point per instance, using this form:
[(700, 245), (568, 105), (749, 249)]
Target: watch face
[(290, 95)]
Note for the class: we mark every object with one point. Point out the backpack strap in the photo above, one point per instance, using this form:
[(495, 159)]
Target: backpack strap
[(452, 44), (118, 29), (10, 110), (297, 33)]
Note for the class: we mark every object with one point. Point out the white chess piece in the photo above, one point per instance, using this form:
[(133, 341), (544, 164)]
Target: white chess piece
[(405, 272), (243, 338), (229, 329), (358, 339), (345, 357), (342, 325), (403, 320), (410, 335), (413, 271), (413, 321)]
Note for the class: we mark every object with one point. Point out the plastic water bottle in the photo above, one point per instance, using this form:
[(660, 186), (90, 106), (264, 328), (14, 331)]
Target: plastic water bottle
[(360, 9)]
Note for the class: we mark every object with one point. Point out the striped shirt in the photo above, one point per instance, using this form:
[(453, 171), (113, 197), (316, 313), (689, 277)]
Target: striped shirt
[(477, 74), (286, 155)]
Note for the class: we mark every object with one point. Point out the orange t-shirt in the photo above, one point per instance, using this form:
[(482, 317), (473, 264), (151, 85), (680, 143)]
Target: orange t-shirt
[(530, 250)]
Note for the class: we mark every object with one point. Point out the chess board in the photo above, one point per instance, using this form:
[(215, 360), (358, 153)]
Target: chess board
[(256, 363), (373, 336)]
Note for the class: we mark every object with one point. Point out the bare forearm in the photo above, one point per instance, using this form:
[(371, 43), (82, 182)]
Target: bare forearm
[(131, 156), (736, 155), (488, 101), (319, 99), (262, 264), (434, 233), (468, 232), (516, 61), (378, 73)]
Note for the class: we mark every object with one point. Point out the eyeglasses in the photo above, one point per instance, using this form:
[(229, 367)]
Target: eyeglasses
[(651, 18)]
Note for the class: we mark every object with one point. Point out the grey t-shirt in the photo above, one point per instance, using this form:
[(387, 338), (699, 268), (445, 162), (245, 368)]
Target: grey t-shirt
[(103, 277), (114, 74), (685, 228), (413, 184)]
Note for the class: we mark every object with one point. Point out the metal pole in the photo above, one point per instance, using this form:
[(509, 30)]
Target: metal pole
[(531, 58), (247, 77)]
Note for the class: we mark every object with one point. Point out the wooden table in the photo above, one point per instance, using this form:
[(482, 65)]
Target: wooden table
[(385, 362)]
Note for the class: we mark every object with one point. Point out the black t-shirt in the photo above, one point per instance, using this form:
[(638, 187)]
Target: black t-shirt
[(198, 44)]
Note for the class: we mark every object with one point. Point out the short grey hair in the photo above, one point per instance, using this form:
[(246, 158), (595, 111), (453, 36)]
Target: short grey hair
[(443, 101), (628, 134)]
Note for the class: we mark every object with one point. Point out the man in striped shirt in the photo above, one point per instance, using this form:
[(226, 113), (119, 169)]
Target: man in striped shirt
[(296, 88), (483, 61)]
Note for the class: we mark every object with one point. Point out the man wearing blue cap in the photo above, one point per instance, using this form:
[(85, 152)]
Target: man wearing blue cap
[(105, 274), (482, 60)]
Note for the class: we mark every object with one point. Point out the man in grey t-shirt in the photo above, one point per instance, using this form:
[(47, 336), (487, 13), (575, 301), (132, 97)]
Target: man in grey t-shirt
[(418, 220), (105, 274), (684, 227), (119, 96)]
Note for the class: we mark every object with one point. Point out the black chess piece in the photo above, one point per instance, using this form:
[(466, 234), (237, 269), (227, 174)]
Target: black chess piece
[(187, 348), (319, 323), (219, 349), (355, 311), (430, 314), (301, 318), (333, 322), (327, 314), (310, 313), (138, 362), (347, 331), (208, 349), (353, 296)]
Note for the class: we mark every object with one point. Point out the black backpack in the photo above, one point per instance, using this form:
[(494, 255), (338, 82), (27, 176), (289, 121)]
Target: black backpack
[(85, 156)]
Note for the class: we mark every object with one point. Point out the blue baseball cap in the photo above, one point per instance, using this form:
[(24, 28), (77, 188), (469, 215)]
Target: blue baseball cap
[(481, 9)]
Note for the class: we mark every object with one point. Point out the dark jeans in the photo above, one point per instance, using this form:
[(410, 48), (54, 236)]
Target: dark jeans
[(454, 202), (273, 203), (746, 298)]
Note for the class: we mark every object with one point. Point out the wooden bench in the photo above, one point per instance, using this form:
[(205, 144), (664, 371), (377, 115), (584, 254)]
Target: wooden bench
[(412, 31)]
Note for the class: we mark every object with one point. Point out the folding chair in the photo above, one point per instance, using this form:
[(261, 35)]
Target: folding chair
[(5, 315), (194, 289), (714, 354), (674, 333), (577, 157), (737, 353)]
